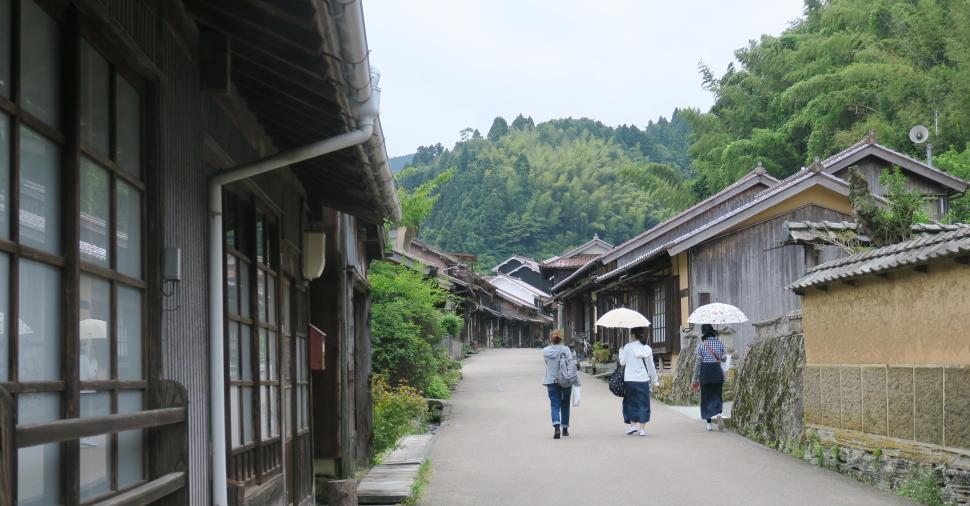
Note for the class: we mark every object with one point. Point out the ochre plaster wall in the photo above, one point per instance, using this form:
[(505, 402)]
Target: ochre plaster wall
[(911, 318)]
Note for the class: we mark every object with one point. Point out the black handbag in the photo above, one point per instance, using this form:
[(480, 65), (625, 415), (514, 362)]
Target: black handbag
[(617, 385)]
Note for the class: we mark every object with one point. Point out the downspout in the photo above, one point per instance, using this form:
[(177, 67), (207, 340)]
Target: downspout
[(366, 106)]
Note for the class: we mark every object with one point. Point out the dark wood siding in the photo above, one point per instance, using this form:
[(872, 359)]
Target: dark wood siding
[(750, 268)]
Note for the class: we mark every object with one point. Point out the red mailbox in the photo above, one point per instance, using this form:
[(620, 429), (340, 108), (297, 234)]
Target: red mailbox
[(318, 349)]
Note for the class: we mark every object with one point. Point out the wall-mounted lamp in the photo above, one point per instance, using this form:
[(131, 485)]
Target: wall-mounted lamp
[(314, 254)]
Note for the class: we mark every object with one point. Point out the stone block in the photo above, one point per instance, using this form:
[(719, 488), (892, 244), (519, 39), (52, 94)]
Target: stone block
[(900, 387), (811, 395), (851, 398), (831, 397), (958, 407), (928, 396), (874, 400)]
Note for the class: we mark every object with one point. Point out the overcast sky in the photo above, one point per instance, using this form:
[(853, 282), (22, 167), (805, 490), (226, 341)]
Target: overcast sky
[(451, 64)]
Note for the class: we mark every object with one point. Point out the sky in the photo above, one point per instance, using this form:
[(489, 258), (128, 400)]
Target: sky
[(450, 64)]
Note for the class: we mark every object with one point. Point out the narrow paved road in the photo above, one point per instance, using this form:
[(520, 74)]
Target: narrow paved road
[(497, 449)]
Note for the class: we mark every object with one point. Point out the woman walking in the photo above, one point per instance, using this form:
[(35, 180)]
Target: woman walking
[(559, 397), (708, 375), (638, 373)]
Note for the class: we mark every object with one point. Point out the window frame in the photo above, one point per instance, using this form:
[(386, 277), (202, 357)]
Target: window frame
[(67, 136), (262, 458)]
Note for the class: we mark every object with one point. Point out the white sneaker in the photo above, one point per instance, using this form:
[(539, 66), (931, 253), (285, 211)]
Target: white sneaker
[(631, 429), (709, 428), (720, 422), (641, 433)]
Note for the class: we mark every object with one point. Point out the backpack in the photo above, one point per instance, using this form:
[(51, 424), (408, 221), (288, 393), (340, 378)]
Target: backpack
[(567, 370)]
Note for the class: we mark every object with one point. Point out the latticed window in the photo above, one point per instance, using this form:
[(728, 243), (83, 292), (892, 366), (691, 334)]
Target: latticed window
[(659, 321), (73, 330)]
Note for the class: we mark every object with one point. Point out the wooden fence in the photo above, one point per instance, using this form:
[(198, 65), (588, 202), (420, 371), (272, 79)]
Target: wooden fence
[(167, 444)]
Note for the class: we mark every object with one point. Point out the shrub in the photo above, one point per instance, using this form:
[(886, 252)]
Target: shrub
[(452, 324), (601, 353), (923, 487), (398, 412), (437, 388)]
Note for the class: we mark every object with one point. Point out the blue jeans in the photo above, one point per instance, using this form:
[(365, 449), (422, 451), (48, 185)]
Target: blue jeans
[(560, 400)]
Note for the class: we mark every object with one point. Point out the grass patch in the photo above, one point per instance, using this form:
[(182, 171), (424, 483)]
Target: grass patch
[(417, 488), (923, 487)]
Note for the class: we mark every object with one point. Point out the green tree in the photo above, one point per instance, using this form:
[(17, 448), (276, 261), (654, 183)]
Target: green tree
[(499, 128), (957, 163)]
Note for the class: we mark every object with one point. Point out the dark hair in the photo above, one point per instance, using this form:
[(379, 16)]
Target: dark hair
[(707, 331), (638, 332)]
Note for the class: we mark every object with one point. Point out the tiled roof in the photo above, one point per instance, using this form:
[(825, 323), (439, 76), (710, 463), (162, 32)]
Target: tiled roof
[(954, 243), (762, 197), (913, 164), (569, 263), (811, 231), (758, 173)]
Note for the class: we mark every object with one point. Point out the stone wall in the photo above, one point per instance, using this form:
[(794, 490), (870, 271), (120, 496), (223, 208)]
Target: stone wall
[(768, 386)]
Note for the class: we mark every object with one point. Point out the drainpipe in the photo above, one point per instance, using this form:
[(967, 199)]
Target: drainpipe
[(365, 106)]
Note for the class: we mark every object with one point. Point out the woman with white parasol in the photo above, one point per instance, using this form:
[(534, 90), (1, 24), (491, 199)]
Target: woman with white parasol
[(712, 360), (639, 371)]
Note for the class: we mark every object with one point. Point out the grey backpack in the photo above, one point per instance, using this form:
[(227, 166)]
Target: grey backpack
[(567, 370)]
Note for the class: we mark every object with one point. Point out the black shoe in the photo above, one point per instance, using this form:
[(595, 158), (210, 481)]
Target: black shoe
[(556, 434), (565, 431)]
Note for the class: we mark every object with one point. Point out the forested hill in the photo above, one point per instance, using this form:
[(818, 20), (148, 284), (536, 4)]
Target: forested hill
[(846, 67), (538, 190)]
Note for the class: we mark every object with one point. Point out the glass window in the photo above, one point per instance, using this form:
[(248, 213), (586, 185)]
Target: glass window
[(4, 317), (4, 175), (246, 344), (40, 186), (232, 285), (128, 239), (129, 333), (94, 331), (659, 315), (130, 446), (5, 30), (247, 415), (233, 351), (95, 214), (40, 322), (244, 288), (40, 56), (95, 450), (128, 110), (95, 103), (38, 467), (234, 420)]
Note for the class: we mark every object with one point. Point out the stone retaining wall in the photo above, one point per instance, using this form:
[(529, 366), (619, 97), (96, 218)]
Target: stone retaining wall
[(768, 386)]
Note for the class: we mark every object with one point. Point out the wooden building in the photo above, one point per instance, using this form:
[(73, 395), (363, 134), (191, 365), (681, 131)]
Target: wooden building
[(498, 310), (731, 248), (560, 267), (161, 245)]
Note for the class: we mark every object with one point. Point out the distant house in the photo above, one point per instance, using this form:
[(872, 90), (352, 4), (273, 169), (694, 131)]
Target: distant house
[(559, 267), (525, 269), (499, 309), (886, 358), (732, 248)]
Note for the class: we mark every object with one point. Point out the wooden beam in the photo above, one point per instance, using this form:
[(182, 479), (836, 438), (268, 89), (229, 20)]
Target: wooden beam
[(850, 282), (925, 268), (69, 429), (215, 58), (238, 21), (148, 492), (965, 260)]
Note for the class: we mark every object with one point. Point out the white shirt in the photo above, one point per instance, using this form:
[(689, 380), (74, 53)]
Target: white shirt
[(632, 358)]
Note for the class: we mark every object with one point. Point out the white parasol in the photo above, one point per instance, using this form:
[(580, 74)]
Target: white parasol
[(622, 318), (717, 314)]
